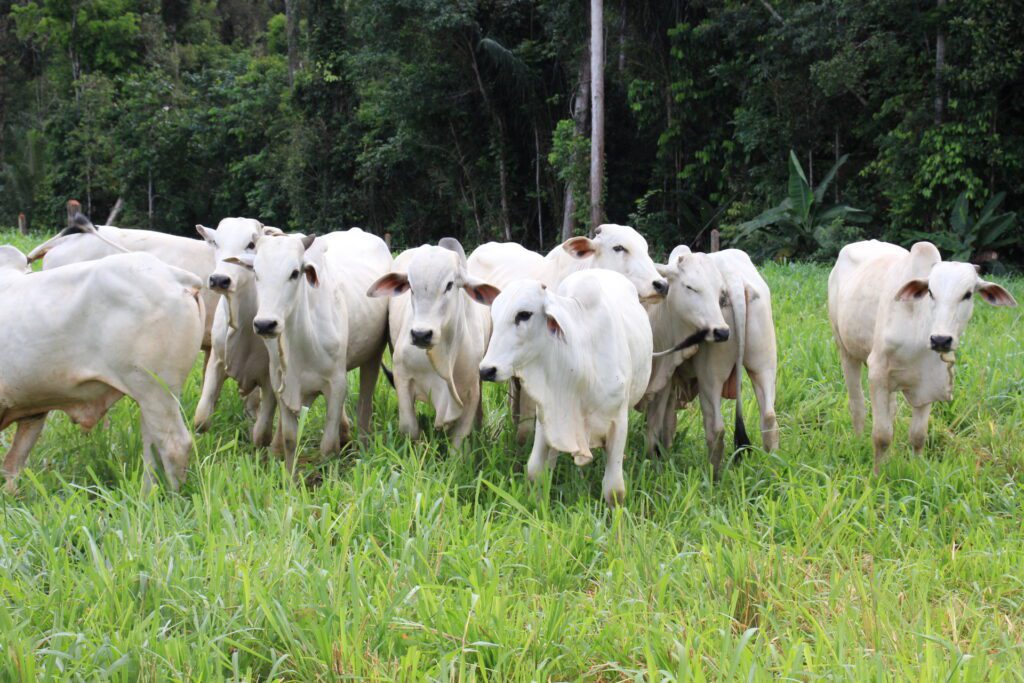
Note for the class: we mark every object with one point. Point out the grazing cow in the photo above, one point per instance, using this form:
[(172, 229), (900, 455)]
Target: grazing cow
[(718, 313), (317, 323), (583, 354), (901, 313), (439, 333), (82, 241), (613, 247), (78, 338), (237, 351)]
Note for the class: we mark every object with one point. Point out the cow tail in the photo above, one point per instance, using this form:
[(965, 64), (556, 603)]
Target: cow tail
[(739, 307)]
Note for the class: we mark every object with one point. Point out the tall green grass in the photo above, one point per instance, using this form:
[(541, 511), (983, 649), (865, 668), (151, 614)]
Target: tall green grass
[(405, 562)]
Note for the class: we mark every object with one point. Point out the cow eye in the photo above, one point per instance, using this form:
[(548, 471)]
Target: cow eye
[(523, 316), (448, 287), (620, 248), (967, 295), (250, 246), (294, 275), (692, 289), (930, 293)]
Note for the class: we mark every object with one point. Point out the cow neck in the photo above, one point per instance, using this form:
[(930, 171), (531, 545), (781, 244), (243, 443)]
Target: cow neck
[(240, 338), (299, 343), (443, 356), (560, 382)]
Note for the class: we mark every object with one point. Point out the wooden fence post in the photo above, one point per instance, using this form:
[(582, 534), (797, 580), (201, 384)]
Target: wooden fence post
[(715, 240), (74, 208), (22, 224)]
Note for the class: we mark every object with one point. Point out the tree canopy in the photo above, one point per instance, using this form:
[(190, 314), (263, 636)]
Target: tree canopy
[(426, 118)]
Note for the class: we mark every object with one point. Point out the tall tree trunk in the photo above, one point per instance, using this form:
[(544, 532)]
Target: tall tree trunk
[(580, 114), (536, 184), (940, 65), (291, 13), (596, 112)]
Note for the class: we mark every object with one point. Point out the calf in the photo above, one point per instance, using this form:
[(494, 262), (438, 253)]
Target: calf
[(237, 351), (583, 354), (82, 241), (317, 324), (718, 313), (613, 247), (80, 337), (902, 313), (438, 333)]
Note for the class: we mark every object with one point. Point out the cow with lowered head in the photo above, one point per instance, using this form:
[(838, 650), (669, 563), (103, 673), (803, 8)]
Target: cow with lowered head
[(902, 313), (583, 355)]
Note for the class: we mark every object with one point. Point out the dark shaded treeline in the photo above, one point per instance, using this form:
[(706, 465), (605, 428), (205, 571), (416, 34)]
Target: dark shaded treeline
[(430, 117)]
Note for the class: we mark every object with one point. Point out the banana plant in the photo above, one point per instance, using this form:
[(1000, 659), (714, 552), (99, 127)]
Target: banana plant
[(795, 226), (968, 236)]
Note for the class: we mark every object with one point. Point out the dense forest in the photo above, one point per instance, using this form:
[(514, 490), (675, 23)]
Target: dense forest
[(791, 126)]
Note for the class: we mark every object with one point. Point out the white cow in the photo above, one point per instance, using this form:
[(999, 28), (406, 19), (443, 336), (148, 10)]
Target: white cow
[(902, 313), (438, 333), (709, 295), (318, 324), (583, 354), (237, 351), (82, 241), (78, 338), (613, 247)]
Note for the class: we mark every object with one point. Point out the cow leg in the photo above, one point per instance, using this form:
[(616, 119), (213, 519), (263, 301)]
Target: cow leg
[(919, 427), (289, 430), (764, 390), (407, 421), (852, 375), (25, 438), (368, 373), (883, 406), (470, 407), (213, 381), (539, 455), (164, 434), (336, 425), (252, 403), (658, 438), (264, 427), (613, 486), (527, 416), (514, 390)]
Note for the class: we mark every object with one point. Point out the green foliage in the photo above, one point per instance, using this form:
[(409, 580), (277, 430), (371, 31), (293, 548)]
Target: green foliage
[(967, 235), (23, 171), (405, 561), (570, 159), (798, 225)]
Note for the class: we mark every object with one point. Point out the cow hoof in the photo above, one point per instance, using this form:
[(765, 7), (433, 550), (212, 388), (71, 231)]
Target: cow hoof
[(615, 497), (11, 487)]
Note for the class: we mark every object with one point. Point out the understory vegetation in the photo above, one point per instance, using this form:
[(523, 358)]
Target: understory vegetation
[(403, 561)]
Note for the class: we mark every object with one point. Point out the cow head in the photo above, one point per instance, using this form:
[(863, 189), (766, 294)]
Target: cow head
[(436, 278), (948, 292), (697, 295), (624, 250), (232, 239), (282, 271), (527, 317)]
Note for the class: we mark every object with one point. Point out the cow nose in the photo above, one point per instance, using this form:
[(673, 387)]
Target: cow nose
[(488, 374), (220, 281), (421, 338), (264, 327), (941, 342), (721, 334), (660, 286)]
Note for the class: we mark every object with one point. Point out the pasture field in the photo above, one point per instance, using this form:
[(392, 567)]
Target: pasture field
[(401, 561)]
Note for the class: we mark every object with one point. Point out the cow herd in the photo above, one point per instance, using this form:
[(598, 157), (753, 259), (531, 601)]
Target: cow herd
[(583, 336)]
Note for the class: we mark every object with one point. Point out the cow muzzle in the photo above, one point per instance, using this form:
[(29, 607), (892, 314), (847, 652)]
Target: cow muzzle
[(488, 373), (720, 334), (941, 342), (220, 283), (423, 339), (266, 327)]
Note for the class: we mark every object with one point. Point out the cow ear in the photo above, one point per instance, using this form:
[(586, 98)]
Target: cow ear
[(915, 289), (551, 313), (244, 260), (994, 294), (481, 291), (391, 284), (270, 231), (311, 277), (207, 234), (307, 241), (579, 247)]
